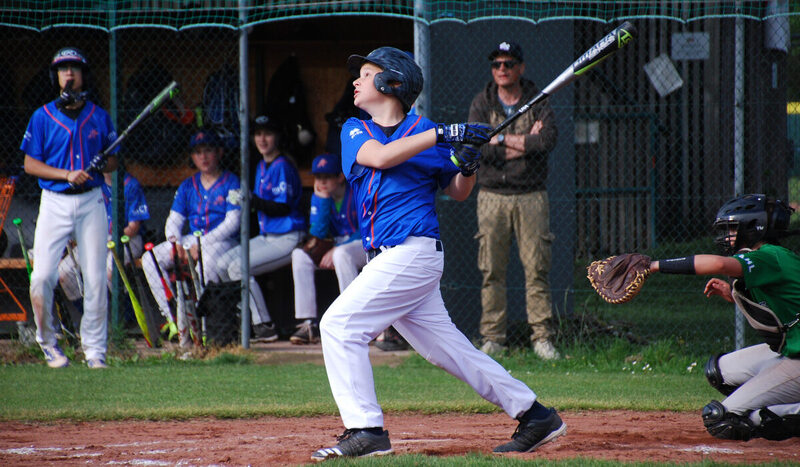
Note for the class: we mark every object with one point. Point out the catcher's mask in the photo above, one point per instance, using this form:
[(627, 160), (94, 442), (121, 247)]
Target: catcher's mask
[(748, 219), (401, 76)]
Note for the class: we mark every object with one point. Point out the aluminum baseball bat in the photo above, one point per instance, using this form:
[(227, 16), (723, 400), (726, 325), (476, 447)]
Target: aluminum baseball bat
[(173, 328), (137, 307), (198, 234), (18, 222), (603, 49)]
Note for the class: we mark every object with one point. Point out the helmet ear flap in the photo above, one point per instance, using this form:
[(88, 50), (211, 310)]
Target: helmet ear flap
[(381, 83)]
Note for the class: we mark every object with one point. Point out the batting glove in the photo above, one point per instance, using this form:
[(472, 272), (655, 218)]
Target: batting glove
[(466, 133), (466, 158), (98, 162), (235, 197)]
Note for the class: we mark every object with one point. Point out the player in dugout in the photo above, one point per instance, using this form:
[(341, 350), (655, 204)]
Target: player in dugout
[(395, 164), (761, 382)]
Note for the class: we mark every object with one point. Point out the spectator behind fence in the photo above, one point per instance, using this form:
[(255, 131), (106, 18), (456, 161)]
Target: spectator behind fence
[(136, 212), (63, 138), (513, 201), (761, 382), (200, 200), (281, 225), (334, 226)]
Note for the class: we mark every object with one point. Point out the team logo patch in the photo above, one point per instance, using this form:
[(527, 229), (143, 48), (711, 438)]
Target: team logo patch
[(355, 132), (27, 136), (93, 134)]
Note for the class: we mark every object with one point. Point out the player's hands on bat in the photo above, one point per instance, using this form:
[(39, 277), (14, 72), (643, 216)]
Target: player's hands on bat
[(476, 134), (98, 162), (718, 287), (77, 177), (466, 157)]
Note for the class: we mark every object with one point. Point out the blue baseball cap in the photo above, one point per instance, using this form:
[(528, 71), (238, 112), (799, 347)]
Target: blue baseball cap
[(326, 163), (208, 138)]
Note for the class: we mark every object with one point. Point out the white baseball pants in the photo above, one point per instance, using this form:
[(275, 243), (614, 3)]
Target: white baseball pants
[(400, 287), (267, 253), (348, 259), (61, 217)]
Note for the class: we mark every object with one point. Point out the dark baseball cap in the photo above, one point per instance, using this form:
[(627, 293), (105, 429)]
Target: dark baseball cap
[(507, 48), (208, 138), (265, 122), (326, 163)]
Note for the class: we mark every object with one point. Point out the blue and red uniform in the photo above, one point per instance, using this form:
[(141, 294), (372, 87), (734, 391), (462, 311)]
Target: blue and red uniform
[(205, 208), (329, 220), (135, 203), (279, 181)]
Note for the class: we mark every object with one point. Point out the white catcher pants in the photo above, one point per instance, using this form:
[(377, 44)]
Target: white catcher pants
[(61, 217), (765, 379), (163, 253), (267, 253), (400, 287), (348, 259)]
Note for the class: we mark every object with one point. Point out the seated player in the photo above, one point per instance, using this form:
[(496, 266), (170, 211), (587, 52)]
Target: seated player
[(200, 200), (761, 382), (333, 216)]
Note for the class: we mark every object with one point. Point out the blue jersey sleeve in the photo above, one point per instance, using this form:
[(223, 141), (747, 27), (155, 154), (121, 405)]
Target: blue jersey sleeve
[(354, 135), (182, 201), (135, 202), (33, 140), (320, 216), (111, 133)]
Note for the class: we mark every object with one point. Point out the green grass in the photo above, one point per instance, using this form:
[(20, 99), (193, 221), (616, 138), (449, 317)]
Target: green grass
[(230, 387)]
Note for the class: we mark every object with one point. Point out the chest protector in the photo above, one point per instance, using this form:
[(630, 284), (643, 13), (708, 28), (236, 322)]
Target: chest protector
[(762, 319)]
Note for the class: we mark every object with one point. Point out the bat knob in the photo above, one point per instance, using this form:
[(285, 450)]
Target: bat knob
[(17, 221), (148, 246), (125, 239), (111, 244), (198, 233)]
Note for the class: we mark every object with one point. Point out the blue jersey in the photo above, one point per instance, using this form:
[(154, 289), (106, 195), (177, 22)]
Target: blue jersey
[(205, 209), (328, 221), (135, 205), (64, 143), (398, 202), (279, 181)]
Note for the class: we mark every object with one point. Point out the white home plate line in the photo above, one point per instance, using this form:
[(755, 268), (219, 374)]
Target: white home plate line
[(708, 449)]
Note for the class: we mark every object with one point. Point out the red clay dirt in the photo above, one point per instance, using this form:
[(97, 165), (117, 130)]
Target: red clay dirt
[(611, 435)]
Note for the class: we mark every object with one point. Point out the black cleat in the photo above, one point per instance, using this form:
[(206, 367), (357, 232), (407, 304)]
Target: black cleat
[(531, 434), (356, 443)]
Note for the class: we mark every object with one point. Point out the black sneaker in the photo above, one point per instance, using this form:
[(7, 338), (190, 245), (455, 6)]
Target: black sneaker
[(392, 340), (264, 332), (531, 434), (356, 443), (307, 333)]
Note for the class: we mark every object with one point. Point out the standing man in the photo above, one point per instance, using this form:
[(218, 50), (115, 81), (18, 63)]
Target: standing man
[(513, 200), (63, 138)]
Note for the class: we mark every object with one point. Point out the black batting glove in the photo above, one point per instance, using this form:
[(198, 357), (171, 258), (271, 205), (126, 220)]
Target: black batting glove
[(466, 133), (466, 159), (98, 162)]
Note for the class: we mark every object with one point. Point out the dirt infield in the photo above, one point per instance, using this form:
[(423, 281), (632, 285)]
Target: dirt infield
[(611, 435)]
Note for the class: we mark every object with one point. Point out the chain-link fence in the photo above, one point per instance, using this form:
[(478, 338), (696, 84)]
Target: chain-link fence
[(650, 143)]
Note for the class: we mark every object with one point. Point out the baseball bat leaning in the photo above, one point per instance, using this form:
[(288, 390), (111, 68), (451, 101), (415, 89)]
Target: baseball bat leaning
[(137, 307), (198, 234), (198, 289), (603, 49), (173, 328), (140, 284), (168, 92), (18, 223)]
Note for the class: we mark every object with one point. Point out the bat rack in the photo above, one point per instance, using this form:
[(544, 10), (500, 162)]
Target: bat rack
[(6, 193)]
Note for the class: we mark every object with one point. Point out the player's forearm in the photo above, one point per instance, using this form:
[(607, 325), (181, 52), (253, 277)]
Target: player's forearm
[(39, 169), (460, 187), (700, 265), (132, 229), (385, 156)]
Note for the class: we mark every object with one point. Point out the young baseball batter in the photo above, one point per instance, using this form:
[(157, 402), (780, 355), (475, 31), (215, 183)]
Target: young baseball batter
[(136, 212), (395, 164), (200, 200), (333, 216), (62, 139), (277, 199), (761, 382)]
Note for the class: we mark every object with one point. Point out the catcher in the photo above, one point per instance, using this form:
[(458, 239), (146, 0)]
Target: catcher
[(761, 382)]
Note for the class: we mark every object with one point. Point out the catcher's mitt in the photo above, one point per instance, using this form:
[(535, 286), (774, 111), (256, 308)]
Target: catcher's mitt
[(316, 248), (619, 278)]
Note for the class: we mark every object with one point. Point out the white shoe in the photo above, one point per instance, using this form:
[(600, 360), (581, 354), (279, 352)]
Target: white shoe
[(545, 350), (96, 363), (55, 357), (492, 347)]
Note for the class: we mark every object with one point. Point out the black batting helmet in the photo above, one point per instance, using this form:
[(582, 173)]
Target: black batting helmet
[(749, 219), (68, 55), (401, 76)]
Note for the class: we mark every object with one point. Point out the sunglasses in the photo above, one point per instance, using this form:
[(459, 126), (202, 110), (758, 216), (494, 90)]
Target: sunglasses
[(497, 64)]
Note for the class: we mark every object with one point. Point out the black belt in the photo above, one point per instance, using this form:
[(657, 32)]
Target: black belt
[(77, 190), (373, 252)]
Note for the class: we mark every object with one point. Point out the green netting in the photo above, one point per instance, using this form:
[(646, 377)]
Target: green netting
[(108, 15)]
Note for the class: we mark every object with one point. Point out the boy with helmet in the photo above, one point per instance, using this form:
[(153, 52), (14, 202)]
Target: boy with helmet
[(333, 218), (761, 382), (395, 163), (62, 139)]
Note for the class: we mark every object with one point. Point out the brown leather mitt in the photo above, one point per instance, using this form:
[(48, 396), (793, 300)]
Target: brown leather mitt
[(619, 278), (317, 247)]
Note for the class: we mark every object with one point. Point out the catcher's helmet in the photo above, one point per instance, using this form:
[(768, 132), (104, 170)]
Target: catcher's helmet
[(401, 76), (749, 219), (68, 55)]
